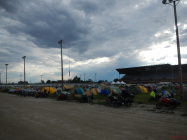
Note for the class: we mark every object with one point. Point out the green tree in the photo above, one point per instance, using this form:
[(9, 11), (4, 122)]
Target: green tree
[(76, 79), (100, 81), (115, 80), (48, 81)]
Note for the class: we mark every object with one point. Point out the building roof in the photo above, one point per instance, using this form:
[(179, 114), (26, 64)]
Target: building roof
[(162, 67)]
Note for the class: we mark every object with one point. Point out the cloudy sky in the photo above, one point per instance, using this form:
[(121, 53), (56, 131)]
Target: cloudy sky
[(99, 36)]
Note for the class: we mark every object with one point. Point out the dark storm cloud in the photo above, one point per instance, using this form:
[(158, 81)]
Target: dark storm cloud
[(48, 23), (89, 7), (92, 7), (9, 5)]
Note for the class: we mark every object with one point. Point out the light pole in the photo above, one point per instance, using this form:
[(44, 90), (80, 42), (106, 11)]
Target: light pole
[(24, 69), (60, 42), (41, 78), (95, 76), (6, 72), (173, 3), (69, 65), (20, 77), (0, 78)]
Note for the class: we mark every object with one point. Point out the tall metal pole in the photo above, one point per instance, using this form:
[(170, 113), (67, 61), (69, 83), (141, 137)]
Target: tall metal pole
[(0, 78), (172, 73), (6, 72), (41, 78), (69, 65), (60, 42), (24, 69), (178, 50), (178, 44)]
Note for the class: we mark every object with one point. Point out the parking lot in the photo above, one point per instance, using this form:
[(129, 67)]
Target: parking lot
[(33, 118)]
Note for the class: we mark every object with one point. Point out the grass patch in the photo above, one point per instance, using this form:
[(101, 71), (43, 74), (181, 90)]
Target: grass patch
[(53, 96), (99, 97), (142, 98)]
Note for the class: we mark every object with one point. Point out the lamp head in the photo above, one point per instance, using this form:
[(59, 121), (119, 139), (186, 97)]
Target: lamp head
[(24, 57), (164, 1), (169, 1), (60, 42)]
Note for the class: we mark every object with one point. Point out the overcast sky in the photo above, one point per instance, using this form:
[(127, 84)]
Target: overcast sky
[(99, 36)]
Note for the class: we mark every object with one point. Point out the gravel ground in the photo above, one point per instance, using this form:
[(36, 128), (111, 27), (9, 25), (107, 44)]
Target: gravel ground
[(29, 118)]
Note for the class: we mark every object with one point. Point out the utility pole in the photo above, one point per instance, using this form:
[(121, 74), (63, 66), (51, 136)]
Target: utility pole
[(6, 72), (69, 65), (173, 3), (20, 77), (24, 69), (60, 42), (41, 78)]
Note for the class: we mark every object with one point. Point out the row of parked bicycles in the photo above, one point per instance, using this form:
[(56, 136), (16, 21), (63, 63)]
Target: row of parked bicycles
[(113, 100), (29, 92), (125, 98), (75, 97), (63, 95)]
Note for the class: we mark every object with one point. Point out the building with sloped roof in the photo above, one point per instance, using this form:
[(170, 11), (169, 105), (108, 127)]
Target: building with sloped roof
[(153, 74)]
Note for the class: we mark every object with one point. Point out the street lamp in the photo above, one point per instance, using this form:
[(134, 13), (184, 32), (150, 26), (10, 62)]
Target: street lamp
[(41, 78), (6, 72), (173, 3), (20, 77), (60, 42), (24, 69), (95, 76)]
